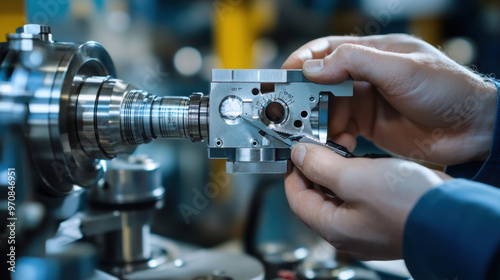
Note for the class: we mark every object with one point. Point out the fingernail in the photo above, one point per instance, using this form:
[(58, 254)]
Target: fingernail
[(298, 155), (313, 66)]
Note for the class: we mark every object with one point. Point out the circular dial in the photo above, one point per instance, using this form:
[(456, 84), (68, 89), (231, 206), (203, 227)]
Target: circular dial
[(231, 109)]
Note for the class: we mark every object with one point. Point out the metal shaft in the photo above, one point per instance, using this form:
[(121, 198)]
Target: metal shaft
[(113, 117)]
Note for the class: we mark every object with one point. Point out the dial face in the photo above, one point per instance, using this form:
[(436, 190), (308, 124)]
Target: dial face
[(231, 109)]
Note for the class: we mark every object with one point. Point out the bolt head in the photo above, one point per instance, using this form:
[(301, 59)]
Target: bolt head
[(34, 29)]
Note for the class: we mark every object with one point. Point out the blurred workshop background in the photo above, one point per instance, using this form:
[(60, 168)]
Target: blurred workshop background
[(170, 47)]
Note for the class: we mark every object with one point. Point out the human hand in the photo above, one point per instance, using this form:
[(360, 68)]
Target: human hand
[(375, 197), (409, 98)]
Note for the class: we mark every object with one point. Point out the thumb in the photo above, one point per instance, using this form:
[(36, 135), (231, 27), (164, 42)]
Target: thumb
[(322, 166), (360, 62)]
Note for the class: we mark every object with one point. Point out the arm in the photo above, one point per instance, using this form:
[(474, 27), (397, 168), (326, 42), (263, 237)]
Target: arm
[(454, 232), (409, 98), (405, 91), (483, 171)]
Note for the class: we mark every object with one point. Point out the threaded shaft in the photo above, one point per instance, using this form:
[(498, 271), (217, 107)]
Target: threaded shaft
[(145, 117), (113, 117)]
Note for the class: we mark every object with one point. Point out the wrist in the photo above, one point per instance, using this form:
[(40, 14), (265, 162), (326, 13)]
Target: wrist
[(486, 114)]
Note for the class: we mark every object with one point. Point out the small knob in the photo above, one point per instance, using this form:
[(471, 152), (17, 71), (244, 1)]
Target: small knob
[(24, 37), (43, 31)]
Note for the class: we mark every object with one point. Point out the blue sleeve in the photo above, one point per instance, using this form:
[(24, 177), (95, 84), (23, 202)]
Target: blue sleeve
[(453, 232), (484, 172)]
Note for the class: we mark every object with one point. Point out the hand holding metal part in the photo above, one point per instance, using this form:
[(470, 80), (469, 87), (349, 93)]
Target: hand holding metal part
[(257, 116), (291, 140)]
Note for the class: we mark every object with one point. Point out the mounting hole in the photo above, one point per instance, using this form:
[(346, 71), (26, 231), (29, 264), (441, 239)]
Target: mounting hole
[(304, 114), (312, 99), (297, 124), (275, 112), (255, 91), (255, 143), (218, 143)]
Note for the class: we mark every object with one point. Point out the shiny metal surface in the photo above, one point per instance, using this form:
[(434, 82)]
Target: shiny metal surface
[(194, 263), (131, 192), (113, 117), (279, 99), (172, 116), (130, 180), (78, 117), (48, 74), (145, 117), (79, 114)]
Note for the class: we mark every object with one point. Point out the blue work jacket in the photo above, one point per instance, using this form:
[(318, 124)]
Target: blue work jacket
[(453, 232)]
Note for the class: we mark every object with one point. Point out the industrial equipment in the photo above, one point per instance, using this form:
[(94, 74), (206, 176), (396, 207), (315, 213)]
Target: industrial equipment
[(66, 114)]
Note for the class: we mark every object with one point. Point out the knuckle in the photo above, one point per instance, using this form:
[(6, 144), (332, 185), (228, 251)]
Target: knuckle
[(344, 49), (401, 37), (341, 53)]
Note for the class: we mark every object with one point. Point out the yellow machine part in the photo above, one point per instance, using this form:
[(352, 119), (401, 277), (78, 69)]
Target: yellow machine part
[(12, 16)]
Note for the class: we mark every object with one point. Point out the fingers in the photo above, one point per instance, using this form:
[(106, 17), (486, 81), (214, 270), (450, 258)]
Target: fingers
[(320, 48), (353, 116), (328, 169), (310, 206), (345, 139), (361, 63)]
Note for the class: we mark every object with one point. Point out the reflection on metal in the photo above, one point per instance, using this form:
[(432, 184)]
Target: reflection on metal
[(71, 116), (283, 100)]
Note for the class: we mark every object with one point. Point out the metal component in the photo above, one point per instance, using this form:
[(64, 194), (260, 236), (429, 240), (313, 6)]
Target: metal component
[(218, 142), (170, 117), (131, 189), (42, 32), (23, 39), (275, 99), (126, 245), (130, 180), (254, 142), (79, 114), (204, 264), (98, 117), (331, 270), (77, 260), (274, 112), (231, 109), (319, 118), (276, 167), (146, 117), (72, 115), (49, 91), (114, 117), (255, 155), (194, 117)]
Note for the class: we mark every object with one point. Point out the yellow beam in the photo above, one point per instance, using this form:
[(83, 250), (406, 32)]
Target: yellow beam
[(429, 29), (233, 34), (12, 15)]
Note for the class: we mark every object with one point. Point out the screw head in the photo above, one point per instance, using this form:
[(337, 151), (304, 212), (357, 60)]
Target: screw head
[(34, 29), (218, 142), (254, 142)]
